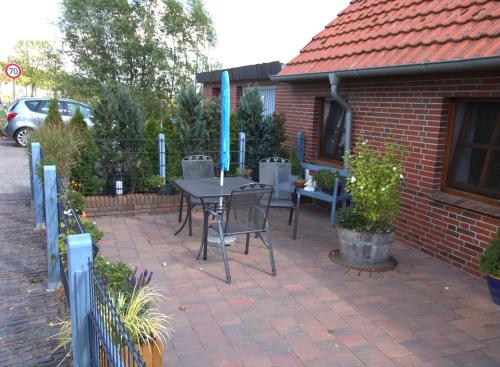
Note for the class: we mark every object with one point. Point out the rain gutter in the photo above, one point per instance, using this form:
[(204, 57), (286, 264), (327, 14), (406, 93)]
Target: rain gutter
[(480, 63), (423, 67)]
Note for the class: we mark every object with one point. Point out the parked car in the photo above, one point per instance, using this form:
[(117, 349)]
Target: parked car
[(26, 114)]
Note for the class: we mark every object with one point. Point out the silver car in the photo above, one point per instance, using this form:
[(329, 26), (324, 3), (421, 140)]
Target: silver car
[(26, 114)]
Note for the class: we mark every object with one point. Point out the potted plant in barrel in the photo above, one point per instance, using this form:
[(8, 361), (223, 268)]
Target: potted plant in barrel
[(365, 231), (490, 264)]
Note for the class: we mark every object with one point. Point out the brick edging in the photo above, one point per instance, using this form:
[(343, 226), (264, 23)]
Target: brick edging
[(131, 204)]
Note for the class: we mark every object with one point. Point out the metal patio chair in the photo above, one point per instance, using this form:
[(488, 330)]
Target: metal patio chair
[(246, 213), (277, 172), (193, 167)]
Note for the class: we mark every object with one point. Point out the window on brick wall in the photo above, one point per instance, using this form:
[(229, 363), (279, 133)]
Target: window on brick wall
[(473, 157), (332, 132)]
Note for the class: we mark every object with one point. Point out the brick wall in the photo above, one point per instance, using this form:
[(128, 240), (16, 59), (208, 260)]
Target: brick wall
[(97, 206), (414, 110), (236, 90)]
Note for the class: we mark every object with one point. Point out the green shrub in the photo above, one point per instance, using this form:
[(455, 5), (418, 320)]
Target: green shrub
[(325, 179), (490, 261), (113, 273), (295, 163), (53, 116), (119, 130), (74, 197), (153, 183), (351, 219), (374, 184), (84, 172), (60, 144), (264, 135), (189, 119), (91, 228)]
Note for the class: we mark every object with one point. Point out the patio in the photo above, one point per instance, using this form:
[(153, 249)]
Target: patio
[(313, 313)]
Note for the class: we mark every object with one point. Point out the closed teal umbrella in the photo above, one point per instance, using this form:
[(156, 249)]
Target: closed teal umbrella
[(224, 127)]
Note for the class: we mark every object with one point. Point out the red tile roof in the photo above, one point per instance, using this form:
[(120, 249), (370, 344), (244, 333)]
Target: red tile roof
[(379, 33)]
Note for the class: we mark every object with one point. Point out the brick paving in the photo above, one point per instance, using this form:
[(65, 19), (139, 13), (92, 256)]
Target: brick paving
[(313, 313), (26, 308)]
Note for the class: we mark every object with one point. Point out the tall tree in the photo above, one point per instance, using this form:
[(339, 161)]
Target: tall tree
[(152, 46), (39, 61)]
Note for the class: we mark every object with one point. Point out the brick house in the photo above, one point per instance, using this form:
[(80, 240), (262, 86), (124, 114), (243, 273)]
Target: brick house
[(426, 73), (242, 77)]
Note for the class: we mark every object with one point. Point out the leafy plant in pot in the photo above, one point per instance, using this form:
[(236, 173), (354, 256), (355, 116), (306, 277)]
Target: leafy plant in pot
[(490, 264), (365, 231)]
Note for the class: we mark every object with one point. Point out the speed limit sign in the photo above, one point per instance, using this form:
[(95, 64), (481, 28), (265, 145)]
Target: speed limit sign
[(13, 71)]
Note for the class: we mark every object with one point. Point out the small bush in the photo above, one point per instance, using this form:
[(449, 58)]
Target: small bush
[(114, 274), (91, 228), (349, 218), (84, 172), (490, 261), (153, 183), (53, 116), (74, 197), (374, 184), (60, 144), (325, 179)]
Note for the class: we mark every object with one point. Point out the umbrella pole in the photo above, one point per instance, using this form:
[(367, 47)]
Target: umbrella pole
[(221, 185)]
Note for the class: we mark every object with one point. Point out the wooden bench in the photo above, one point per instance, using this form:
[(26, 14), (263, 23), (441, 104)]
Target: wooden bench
[(336, 196)]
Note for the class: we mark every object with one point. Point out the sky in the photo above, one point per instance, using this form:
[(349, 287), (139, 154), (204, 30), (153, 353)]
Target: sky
[(248, 31)]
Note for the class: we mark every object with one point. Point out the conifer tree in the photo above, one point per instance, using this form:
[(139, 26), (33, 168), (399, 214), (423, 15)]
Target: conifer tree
[(53, 115), (83, 174)]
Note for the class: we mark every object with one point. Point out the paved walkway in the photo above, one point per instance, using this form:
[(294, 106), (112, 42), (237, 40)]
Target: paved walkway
[(312, 313), (26, 308)]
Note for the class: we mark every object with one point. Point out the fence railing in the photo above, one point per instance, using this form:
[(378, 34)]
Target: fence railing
[(110, 342), (99, 337)]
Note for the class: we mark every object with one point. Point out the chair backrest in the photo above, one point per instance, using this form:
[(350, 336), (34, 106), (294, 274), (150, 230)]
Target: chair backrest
[(247, 208), (277, 172), (197, 166)]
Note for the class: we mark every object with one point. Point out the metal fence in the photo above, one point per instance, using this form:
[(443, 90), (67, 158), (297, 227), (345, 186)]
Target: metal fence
[(105, 334), (110, 342)]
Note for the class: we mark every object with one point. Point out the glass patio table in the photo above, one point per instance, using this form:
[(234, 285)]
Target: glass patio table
[(206, 190)]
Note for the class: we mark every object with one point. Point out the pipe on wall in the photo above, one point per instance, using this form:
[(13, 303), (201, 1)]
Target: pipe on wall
[(334, 84)]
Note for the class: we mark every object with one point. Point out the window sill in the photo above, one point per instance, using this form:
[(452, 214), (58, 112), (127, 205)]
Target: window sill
[(473, 205), (328, 163)]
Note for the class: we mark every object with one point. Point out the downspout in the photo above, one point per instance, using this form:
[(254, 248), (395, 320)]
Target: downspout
[(334, 84)]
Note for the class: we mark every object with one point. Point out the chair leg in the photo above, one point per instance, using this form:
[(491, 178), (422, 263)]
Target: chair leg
[(190, 221), (224, 253), (180, 206), (247, 244), (290, 216), (204, 236), (333, 214), (270, 247), (296, 221)]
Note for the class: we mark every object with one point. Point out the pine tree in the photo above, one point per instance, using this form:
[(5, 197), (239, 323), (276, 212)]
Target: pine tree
[(53, 115), (119, 130), (190, 124), (84, 173), (264, 135)]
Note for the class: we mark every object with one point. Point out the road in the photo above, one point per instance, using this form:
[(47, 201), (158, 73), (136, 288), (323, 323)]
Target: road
[(14, 168)]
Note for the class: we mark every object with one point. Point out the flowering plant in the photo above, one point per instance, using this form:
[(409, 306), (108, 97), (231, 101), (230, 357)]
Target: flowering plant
[(374, 184)]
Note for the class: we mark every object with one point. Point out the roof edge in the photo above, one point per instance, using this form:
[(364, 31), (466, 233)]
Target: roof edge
[(423, 67)]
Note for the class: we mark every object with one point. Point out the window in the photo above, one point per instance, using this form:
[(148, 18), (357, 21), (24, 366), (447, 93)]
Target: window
[(43, 107), (332, 132), (473, 157), (32, 105), (86, 111)]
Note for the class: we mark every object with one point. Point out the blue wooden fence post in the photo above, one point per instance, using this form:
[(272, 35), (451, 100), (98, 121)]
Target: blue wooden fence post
[(299, 146), (161, 156), (37, 185), (52, 224), (241, 151), (79, 256)]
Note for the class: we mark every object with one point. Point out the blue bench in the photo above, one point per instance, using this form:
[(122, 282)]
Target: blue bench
[(336, 196)]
